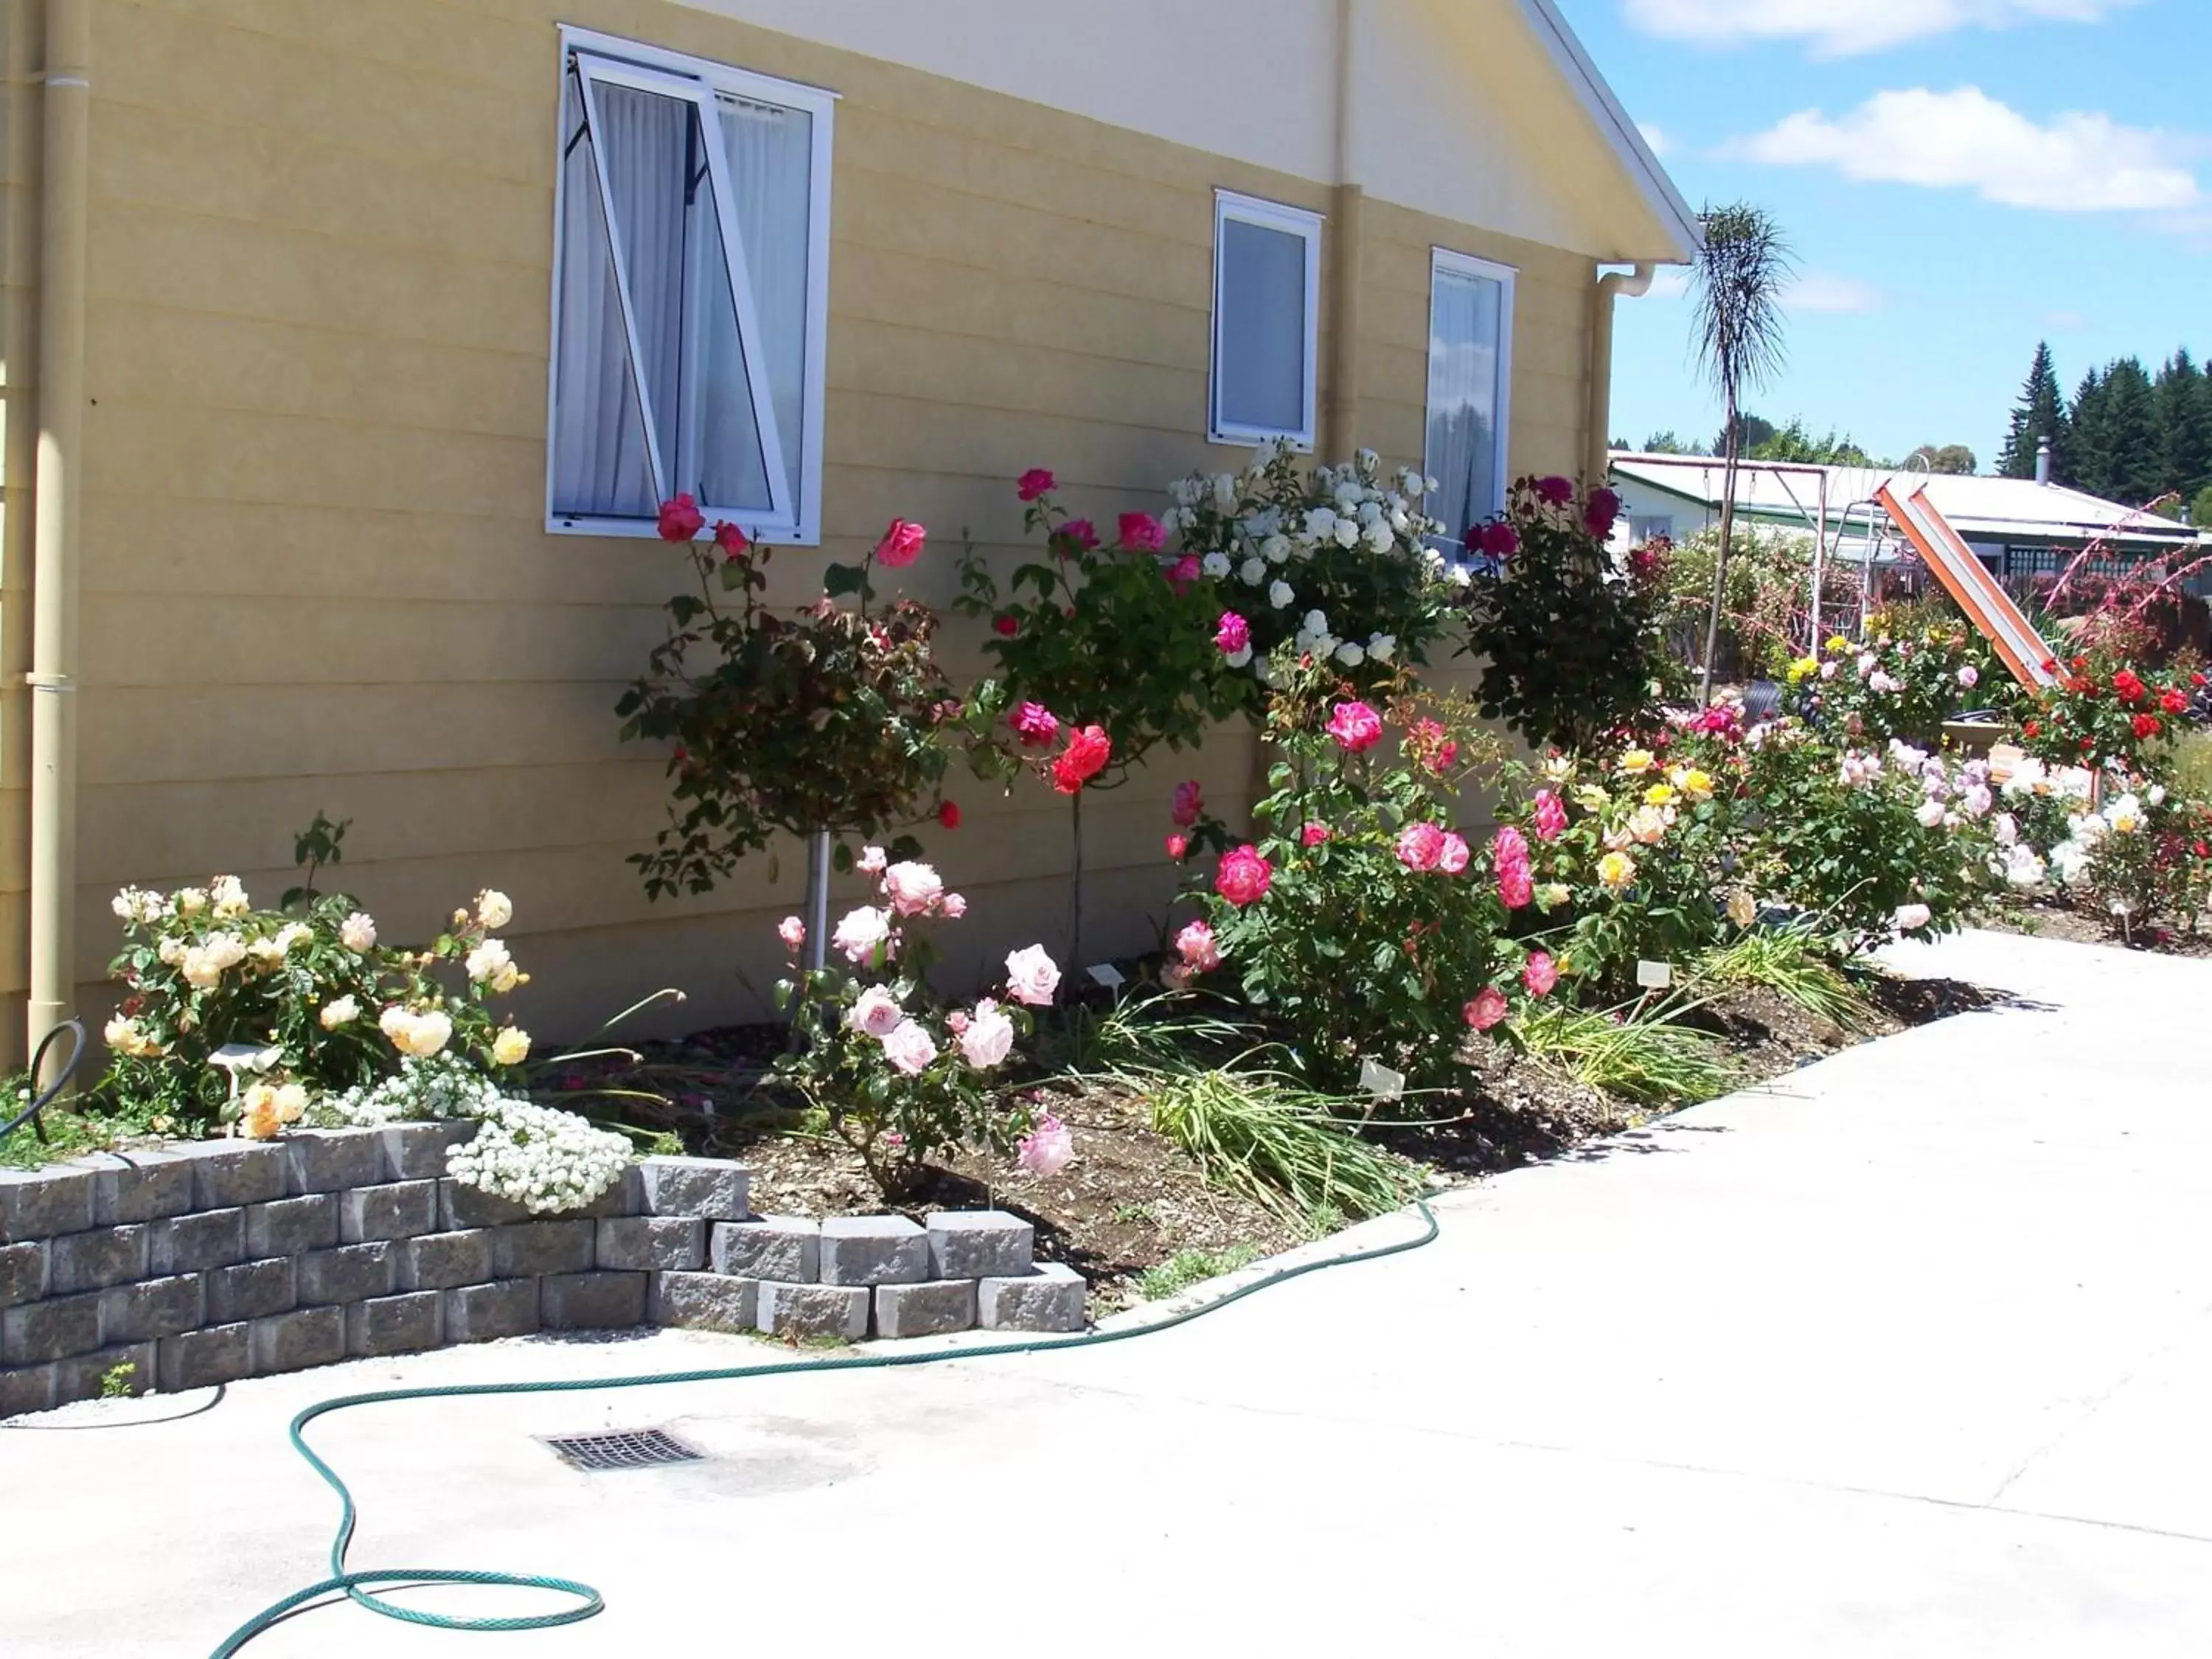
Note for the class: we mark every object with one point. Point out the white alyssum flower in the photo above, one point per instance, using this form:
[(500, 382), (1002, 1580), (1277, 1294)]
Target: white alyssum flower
[(443, 1086), (544, 1159)]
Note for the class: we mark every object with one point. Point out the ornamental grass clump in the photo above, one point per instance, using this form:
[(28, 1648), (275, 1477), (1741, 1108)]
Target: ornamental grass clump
[(1642, 1054), (899, 1078)]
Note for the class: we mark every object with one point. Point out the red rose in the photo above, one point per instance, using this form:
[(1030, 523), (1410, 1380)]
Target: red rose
[(1035, 483), (1079, 533), (1189, 803), (948, 814), (2129, 688), (2199, 681), (901, 545), (2172, 701), (2147, 726), (1183, 573), (1178, 848), (1555, 491), (731, 540), (1497, 539), (1599, 513), (2032, 729), (2203, 850), (1006, 625), (681, 520), (1087, 752), (1243, 875), (1142, 533)]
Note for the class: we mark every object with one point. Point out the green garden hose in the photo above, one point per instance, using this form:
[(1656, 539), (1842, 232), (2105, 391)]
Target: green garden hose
[(588, 1600)]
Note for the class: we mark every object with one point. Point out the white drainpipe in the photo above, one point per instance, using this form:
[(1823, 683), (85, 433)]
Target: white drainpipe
[(1633, 285)]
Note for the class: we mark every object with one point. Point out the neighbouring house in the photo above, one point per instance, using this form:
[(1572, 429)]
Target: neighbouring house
[(349, 344)]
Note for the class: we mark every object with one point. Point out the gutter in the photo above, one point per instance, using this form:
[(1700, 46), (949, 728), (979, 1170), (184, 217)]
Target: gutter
[(1633, 285), (66, 101)]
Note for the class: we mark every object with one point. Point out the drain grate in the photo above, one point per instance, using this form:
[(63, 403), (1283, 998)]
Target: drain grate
[(645, 1448)]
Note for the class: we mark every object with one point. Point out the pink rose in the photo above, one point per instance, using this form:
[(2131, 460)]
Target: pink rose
[(1554, 491), (1420, 846), (1079, 533), (1487, 1008), (912, 888), (1199, 951), (908, 1047), (1088, 751), (1232, 633), (862, 933), (1314, 835), (1142, 533), (731, 540), (1189, 803), (1032, 976), (955, 906), (792, 931), (1243, 875), (1551, 815), (988, 1038), (1047, 1149), (681, 520), (1509, 849), (901, 545), (1355, 727), (876, 1012), (1453, 858), (1183, 573), (1037, 727), (1540, 974), (1599, 512), (1178, 848), (871, 861), (1035, 483), (1517, 888), (1498, 539)]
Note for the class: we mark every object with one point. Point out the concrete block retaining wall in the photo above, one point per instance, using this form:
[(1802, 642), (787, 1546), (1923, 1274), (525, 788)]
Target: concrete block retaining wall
[(213, 1260)]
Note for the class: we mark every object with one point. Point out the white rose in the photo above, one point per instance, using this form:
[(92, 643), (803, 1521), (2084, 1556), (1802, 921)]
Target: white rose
[(1225, 492), (1321, 524), (494, 908), (344, 1012), (1215, 564), (357, 932), (1276, 548), (1350, 654), (1280, 595), (1316, 621), (1239, 656), (1379, 537), (1383, 646), (1347, 533), (1254, 572), (487, 961)]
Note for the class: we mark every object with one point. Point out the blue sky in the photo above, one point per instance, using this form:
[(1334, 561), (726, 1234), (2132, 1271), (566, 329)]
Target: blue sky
[(1958, 178)]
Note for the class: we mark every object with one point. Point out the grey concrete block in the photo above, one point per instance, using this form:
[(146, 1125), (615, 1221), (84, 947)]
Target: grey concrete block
[(661, 1243), (42, 1203), (533, 1248), (712, 1188), (814, 1309), (483, 1313), (202, 1358), (441, 1261), (85, 1377), (330, 1160), (292, 1226), (399, 1209), (785, 1248), (394, 1324), (93, 1260), (231, 1172), (417, 1151), (624, 1196), (140, 1187), (591, 1302), (351, 1272), (59, 1328), (293, 1341), (873, 1249), (980, 1244), (22, 1272), (192, 1243), (1049, 1298), (926, 1309), (152, 1308), (26, 1388), (252, 1290), (703, 1302), (462, 1206)]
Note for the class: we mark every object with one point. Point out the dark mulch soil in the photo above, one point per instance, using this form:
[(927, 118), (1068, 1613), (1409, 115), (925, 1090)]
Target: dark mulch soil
[(1131, 1200), (2084, 926)]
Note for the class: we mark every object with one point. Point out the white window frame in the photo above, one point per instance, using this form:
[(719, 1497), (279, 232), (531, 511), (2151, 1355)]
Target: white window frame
[(1229, 206), (1443, 260), (794, 521)]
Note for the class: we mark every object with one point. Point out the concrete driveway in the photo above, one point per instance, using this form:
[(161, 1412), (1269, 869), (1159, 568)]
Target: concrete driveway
[(1907, 1355)]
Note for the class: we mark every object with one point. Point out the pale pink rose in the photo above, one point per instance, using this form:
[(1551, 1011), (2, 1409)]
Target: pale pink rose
[(877, 1013), (1032, 976), (955, 906), (1048, 1148), (1487, 1008), (1911, 918), (912, 888), (792, 931), (908, 1047), (989, 1037), (871, 861), (957, 1022), (1453, 857), (862, 933), (1420, 846), (1540, 974), (1196, 945)]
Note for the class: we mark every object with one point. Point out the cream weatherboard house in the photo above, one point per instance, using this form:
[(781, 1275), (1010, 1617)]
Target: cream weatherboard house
[(348, 345)]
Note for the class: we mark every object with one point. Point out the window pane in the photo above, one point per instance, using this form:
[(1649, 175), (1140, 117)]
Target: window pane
[(723, 450), (771, 152), (1463, 354), (599, 458), (1260, 379)]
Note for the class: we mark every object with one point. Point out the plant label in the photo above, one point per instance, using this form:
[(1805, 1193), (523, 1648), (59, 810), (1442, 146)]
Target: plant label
[(1106, 974), (1381, 1081), (1654, 976)]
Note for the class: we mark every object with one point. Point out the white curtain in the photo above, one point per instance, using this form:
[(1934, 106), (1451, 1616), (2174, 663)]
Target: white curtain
[(1260, 379), (1463, 354), (771, 154)]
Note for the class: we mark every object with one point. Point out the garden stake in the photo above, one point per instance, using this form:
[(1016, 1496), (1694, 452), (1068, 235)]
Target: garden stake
[(818, 901), (588, 1600)]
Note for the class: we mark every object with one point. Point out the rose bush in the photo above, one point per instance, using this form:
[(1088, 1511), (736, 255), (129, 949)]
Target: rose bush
[(1896, 687)]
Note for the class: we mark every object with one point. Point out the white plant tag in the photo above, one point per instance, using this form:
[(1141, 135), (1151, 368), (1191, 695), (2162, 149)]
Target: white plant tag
[(1107, 975), (1381, 1081), (1654, 976)]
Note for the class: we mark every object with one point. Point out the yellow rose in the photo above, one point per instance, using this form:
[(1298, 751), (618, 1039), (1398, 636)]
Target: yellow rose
[(1698, 786), (511, 1047), (1742, 910), (1591, 798), (1635, 761), (1616, 870), (1838, 642), (1659, 794), (291, 1102), (1803, 668), (259, 1118)]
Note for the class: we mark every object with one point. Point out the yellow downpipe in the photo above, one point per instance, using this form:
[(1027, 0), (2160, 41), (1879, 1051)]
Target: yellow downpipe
[(67, 120), (1633, 285)]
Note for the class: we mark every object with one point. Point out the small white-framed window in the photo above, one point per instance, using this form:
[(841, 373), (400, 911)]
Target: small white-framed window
[(1266, 321), (690, 294), (1470, 386)]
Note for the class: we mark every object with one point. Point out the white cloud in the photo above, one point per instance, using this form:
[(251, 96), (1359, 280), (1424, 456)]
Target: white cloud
[(2069, 320), (2078, 163), (1837, 28), (1654, 139), (1821, 290)]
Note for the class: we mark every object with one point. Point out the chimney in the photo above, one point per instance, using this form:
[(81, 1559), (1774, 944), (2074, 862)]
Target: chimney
[(2043, 461)]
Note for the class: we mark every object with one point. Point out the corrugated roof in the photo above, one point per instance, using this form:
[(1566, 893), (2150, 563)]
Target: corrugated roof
[(1976, 506)]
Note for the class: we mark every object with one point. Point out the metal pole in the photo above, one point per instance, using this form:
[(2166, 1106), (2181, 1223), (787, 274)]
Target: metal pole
[(818, 901), (1819, 561)]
